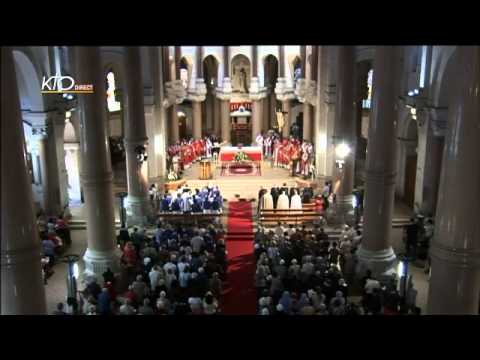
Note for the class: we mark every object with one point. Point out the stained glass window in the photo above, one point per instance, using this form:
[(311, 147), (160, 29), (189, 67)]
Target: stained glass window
[(112, 104)]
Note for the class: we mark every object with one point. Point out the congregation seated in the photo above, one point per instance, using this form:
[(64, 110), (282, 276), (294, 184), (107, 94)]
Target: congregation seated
[(178, 271), (184, 200)]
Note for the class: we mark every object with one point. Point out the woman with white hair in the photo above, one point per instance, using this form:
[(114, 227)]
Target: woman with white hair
[(163, 304), (210, 304)]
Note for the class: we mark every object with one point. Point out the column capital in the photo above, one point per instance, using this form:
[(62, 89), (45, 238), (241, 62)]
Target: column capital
[(306, 91), (175, 93), (43, 122), (225, 92), (199, 92), (257, 92), (283, 90)]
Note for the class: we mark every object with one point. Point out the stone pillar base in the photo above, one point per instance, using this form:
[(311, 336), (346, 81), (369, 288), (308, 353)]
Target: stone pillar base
[(342, 212), (97, 262), (381, 262), (138, 211)]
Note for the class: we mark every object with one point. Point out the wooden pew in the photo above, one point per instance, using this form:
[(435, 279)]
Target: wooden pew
[(307, 215)]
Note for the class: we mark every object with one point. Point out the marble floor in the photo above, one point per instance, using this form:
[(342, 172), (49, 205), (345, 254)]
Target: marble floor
[(247, 187)]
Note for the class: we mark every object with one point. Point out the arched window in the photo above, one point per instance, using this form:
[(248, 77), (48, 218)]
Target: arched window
[(184, 72), (297, 69), (366, 103), (112, 104)]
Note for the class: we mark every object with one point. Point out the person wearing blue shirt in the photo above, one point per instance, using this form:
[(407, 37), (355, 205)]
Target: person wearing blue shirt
[(177, 204)]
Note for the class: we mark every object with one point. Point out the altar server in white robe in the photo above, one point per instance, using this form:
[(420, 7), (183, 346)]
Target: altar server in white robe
[(259, 141), (296, 202), (208, 147), (267, 201), (283, 202)]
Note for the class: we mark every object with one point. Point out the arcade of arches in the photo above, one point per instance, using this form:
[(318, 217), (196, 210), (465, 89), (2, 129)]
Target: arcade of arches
[(408, 117)]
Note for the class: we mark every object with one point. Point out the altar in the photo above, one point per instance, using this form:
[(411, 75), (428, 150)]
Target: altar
[(227, 153), (245, 160)]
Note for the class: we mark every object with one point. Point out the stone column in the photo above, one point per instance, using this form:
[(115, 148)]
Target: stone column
[(345, 132), (375, 252), (23, 292), (266, 113), (59, 129), (160, 114), (455, 250), (257, 111), (216, 116), (273, 108), (287, 109), (136, 140), (307, 121), (174, 126), (197, 119), (226, 121), (209, 112), (320, 119), (96, 167), (44, 134)]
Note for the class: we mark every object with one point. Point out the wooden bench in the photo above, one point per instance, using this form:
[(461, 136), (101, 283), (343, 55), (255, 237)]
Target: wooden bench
[(307, 215)]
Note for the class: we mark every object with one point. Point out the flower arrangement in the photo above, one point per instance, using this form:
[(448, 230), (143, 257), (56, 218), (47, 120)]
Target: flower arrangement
[(241, 156)]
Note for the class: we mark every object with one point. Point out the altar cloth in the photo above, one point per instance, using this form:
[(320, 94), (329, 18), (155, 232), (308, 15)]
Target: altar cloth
[(227, 153)]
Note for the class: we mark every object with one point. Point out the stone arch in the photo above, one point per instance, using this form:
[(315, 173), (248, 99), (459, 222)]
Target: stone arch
[(241, 71), (28, 79), (442, 68), (210, 65), (271, 70), (443, 91), (408, 136), (295, 66), (186, 63)]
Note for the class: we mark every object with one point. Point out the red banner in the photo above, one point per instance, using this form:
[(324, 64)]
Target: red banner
[(236, 106)]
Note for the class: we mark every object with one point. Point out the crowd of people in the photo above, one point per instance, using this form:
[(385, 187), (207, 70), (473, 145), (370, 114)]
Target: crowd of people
[(179, 270), (306, 272), (186, 151), (185, 200), (291, 153), (284, 198), (54, 234)]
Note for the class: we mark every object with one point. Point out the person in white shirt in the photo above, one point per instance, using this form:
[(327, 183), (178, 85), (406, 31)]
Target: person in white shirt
[(170, 265), (279, 230), (184, 277), (182, 264), (155, 275), (372, 284), (127, 308), (197, 242), (291, 230)]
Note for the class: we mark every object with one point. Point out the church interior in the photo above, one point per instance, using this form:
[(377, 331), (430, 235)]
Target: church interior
[(240, 180)]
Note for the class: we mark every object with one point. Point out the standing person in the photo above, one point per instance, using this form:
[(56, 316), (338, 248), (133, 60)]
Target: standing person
[(152, 193), (275, 192), (428, 235), (412, 236)]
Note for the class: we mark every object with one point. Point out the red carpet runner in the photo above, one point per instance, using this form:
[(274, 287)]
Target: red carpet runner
[(239, 296)]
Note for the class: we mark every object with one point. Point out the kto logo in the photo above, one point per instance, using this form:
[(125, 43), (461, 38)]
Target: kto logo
[(59, 84)]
